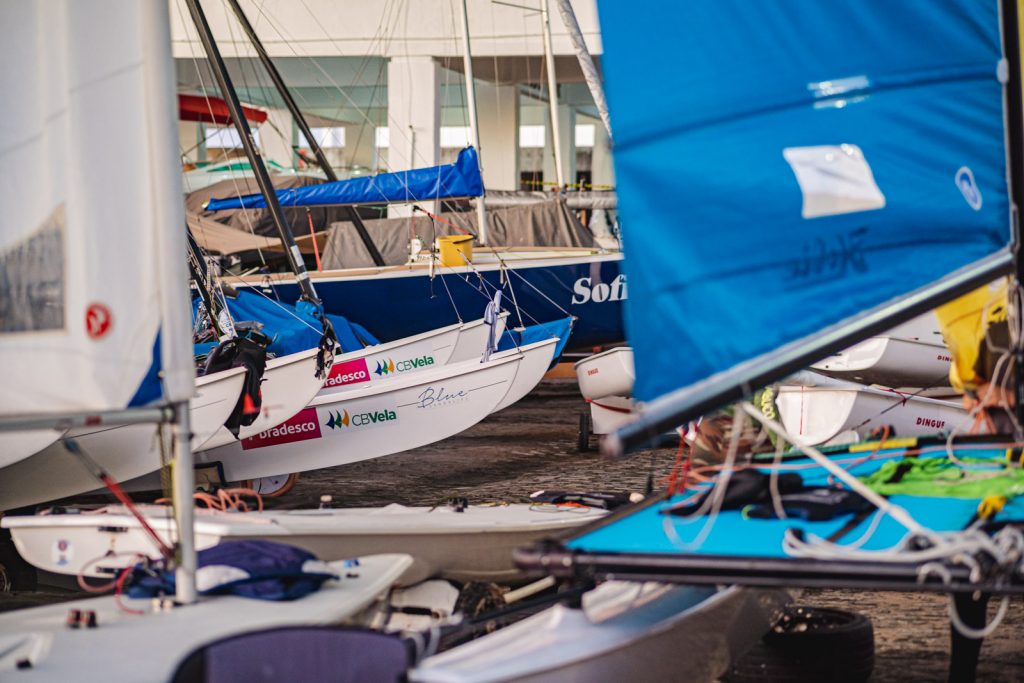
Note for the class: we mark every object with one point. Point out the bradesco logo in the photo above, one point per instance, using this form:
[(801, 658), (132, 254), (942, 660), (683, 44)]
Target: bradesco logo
[(301, 427), (586, 290), (349, 372), (336, 420), (388, 366)]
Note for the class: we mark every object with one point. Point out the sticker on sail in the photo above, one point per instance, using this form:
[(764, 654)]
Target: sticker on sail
[(834, 180), (968, 188), (62, 552)]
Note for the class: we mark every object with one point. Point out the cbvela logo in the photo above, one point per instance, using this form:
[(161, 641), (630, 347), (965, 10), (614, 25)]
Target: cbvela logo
[(388, 366), (301, 427), (336, 420), (929, 422), (586, 290), (349, 372)]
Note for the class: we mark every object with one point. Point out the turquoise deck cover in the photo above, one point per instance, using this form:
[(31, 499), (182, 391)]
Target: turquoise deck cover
[(785, 165)]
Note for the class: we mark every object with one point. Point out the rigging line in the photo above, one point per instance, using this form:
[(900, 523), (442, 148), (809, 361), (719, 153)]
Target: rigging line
[(284, 308), (345, 95), (199, 72), (451, 299)]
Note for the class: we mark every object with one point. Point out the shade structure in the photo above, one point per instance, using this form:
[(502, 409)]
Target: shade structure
[(212, 110)]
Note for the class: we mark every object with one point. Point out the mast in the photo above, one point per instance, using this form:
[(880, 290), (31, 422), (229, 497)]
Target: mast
[(474, 125), (227, 89), (586, 61), (549, 62), (1015, 138), (300, 121)]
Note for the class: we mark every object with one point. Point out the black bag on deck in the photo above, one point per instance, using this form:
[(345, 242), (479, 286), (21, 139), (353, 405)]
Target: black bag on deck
[(252, 356)]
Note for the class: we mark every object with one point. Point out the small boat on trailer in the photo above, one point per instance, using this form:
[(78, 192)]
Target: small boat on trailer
[(125, 451), (610, 373), (455, 542)]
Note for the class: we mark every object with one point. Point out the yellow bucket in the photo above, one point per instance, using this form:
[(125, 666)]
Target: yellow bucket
[(456, 250)]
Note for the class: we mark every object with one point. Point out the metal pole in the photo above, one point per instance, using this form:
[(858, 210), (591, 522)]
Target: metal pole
[(586, 61), (474, 124), (183, 488), (549, 61), (300, 121), (252, 151)]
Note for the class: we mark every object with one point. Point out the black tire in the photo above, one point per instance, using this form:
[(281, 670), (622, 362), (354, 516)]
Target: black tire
[(810, 644), (583, 436)]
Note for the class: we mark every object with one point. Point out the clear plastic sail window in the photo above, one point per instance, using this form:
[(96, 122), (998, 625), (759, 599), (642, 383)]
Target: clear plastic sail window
[(834, 179)]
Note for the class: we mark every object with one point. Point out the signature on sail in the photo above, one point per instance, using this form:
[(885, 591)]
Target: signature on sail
[(844, 253)]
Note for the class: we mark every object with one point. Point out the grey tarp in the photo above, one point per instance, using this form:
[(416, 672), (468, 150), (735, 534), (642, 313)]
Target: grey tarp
[(258, 221), (546, 223)]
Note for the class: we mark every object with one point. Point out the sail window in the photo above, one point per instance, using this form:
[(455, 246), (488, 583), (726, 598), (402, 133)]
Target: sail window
[(834, 180), (32, 279)]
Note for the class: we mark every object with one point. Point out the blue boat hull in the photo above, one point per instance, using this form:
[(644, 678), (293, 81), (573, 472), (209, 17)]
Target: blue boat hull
[(403, 303)]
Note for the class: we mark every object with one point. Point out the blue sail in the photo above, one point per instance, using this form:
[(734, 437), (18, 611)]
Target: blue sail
[(450, 181), (785, 166)]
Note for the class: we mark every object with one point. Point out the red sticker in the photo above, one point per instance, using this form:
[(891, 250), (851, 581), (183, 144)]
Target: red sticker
[(349, 372), (98, 320), (300, 427)]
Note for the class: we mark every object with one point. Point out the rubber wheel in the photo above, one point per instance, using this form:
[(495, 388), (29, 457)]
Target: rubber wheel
[(272, 487), (810, 644), (583, 436)]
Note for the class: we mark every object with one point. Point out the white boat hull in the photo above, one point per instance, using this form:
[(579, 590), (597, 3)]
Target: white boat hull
[(126, 452), (625, 632), (910, 355), (289, 384), (609, 413), (473, 545), (836, 415), (536, 360), (360, 424), (606, 374), (148, 648)]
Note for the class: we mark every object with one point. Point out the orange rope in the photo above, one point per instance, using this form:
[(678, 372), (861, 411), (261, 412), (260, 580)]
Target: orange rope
[(316, 248)]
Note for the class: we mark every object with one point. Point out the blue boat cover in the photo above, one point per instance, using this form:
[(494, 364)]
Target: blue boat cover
[(561, 329), (461, 179), (293, 327), (786, 165), (253, 569)]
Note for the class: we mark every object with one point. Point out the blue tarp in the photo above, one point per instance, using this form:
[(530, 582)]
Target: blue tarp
[(461, 179), (293, 328), (786, 165), (561, 329)]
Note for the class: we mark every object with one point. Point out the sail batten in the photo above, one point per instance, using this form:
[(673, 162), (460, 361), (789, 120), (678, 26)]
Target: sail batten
[(796, 175)]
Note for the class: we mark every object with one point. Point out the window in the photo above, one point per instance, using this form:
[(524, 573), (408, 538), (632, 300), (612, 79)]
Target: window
[(328, 138), (585, 135), (531, 136), (454, 137), (226, 137)]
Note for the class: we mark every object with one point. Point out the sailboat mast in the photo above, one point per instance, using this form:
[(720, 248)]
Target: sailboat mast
[(474, 125), (227, 89), (586, 61), (1015, 143), (300, 121), (549, 63)]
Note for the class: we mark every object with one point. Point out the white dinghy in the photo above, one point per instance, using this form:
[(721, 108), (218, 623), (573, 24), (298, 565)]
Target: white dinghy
[(623, 632), (609, 373), (289, 384), (125, 451), (845, 414), (37, 644), (446, 345), (469, 543), (359, 424), (909, 355)]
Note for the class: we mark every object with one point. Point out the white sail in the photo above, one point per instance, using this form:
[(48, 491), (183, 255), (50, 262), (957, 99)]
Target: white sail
[(88, 145)]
